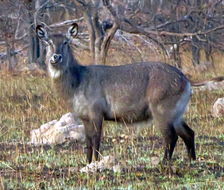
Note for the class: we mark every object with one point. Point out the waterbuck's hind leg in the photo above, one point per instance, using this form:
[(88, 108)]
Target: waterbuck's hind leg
[(93, 130), (189, 141), (187, 134)]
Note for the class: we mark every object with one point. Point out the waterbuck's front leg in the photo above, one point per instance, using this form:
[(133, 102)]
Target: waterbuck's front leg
[(93, 130)]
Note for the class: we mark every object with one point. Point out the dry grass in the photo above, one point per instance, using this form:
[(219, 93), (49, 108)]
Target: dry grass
[(27, 101)]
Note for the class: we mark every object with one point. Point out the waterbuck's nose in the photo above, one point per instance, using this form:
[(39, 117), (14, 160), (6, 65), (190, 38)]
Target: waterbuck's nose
[(56, 58)]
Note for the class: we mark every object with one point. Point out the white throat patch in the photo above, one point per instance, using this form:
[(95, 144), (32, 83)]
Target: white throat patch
[(54, 73)]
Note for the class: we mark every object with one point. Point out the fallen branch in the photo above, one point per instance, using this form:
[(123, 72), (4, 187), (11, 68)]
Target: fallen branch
[(65, 22), (166, 33), (14, 40), (131, 44), (4, 55)]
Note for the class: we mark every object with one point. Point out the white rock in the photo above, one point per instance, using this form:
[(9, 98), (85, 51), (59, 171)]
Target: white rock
[(57, 132), (155, 160), (218, 108), (69, 118), (107, 162)]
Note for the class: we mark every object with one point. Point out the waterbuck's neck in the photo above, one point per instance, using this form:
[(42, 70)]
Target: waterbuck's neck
[(67, 78)]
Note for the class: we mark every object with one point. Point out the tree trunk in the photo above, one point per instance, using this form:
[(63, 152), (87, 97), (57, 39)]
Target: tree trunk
[(12, 60), (36, 53), (99, 39), (34, 50), (92, 36)]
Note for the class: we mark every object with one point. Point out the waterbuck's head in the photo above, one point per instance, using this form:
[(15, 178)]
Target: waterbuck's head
[(59, 54)]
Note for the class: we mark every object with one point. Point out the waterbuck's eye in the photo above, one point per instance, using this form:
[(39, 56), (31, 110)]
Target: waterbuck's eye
[(65, 42)]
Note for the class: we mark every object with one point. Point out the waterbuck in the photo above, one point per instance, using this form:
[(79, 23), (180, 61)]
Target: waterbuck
[(128, 93)]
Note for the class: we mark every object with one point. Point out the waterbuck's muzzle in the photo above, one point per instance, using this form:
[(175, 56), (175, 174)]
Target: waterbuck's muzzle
[(55, 59)]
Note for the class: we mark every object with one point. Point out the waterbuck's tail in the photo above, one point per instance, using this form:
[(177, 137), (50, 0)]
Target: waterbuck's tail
[(203, 83)]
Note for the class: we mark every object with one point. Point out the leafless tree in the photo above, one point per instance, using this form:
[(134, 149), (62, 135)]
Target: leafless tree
[(8, 30), (175, 23), (101, 32)]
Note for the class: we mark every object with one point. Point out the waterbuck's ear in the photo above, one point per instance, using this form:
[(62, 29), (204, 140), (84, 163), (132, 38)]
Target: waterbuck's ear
[(73, 30), (41, 32)]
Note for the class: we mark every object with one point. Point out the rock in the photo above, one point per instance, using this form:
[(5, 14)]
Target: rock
[(155, 161), (57, 132), (218, 108), (107, 162)]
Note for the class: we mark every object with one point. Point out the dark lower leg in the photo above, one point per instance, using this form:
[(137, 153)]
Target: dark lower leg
[(89, 149), (93, 136), (96, 145), (188, 138), (170, 142)]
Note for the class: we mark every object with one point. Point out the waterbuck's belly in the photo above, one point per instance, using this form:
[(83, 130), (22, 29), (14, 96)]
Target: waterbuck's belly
[(113, 111), (129, 117), (128, 113)]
